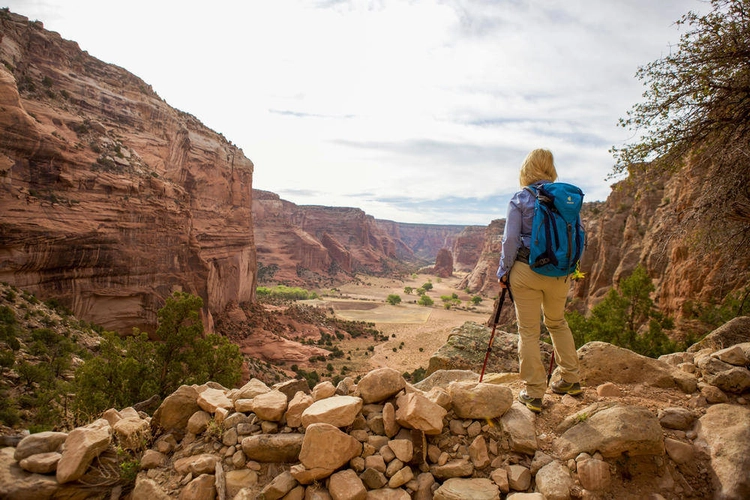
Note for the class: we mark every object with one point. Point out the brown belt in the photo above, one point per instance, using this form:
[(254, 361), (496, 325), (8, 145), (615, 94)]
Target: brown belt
[(523, 255)]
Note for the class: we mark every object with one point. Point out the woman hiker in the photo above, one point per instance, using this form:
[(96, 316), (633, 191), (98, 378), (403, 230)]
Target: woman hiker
[(535, 293)]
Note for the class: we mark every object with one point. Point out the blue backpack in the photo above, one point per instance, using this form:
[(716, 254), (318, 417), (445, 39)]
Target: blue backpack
[(557, 235)]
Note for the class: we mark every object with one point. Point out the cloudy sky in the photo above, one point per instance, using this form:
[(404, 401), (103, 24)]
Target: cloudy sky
[(413, 110)]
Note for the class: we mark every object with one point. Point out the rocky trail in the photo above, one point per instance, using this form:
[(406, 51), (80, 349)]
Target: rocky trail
[(678, 427)]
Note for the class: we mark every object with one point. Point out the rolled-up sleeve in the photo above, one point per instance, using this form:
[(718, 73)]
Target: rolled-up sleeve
[(511, 237)]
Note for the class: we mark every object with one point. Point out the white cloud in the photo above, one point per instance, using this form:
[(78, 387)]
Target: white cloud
[(428, 106)]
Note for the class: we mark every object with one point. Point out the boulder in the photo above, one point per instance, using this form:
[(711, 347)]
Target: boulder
[(735, 331), (601, 362), (612, 432), (734, 355), (461, 489), (204, 463), (441, 378), (346, 485), (417, 412), (466, 347), (41, 442), (403, 449), (518, 423), (677, 418), (292, 387), (479, 401), (148, 489), (283, 448), (593, 473), (198, 422), (253, 388), (41, 463), (380, 384), (388, 494), (725, 376), (519, 477), (82, 445), (554, 481), (202, 487), (279, 486), (132, 433), (210, 399), (239, 479), (460, 467), (339, 411), (15, 483), (323, 390), (270, 406), (175, 411), (390, 426), (326, 447), (478, 453), (725, 432), (298, 404), (400, 477)]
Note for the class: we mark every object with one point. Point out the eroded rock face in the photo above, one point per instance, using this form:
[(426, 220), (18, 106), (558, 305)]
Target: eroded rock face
[(112, 199), (483, 277)]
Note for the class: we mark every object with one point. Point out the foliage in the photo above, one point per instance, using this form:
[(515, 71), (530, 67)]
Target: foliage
[(627, 318), (714, 315), (696, 92), (697, 108), (285, 292), (476, 300), (266, 273), (424, 300), (393, 299), (415, 376), (133, 369), (408, 290), (427, 286)]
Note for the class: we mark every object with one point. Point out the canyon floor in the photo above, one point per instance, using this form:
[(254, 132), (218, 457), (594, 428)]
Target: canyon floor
[(414, 332)]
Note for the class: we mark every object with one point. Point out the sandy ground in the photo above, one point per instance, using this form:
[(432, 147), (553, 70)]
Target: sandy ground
[(414, 332)]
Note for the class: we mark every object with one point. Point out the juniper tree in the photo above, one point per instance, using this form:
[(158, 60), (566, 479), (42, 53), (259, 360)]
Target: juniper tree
[(696, 111)]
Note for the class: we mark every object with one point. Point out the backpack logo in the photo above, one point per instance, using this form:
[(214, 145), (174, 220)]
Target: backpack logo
[(557, 234)]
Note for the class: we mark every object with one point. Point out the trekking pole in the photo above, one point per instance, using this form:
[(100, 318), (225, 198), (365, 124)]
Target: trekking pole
[(495, 319), (551, 363)]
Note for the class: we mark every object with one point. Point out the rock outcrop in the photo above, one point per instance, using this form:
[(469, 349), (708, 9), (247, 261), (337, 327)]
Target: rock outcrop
[(111, 198), (446, 437), (483, 277), (467, 248)]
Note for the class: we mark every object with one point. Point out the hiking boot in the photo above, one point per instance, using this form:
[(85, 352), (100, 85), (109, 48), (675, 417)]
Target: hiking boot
[(563, 387), (533, 404)]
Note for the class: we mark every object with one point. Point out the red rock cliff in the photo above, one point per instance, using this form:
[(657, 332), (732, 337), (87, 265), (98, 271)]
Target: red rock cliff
[(111, 199), (313, 244)]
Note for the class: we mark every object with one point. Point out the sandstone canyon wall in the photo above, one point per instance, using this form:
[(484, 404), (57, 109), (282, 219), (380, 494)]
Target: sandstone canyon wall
[(467, 247), (424, 240), (650, 219), (313, 245), (316, 245), (482, 279), (111, 199)]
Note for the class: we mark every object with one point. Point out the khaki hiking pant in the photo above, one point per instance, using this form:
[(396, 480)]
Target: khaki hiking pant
[(534, 294)]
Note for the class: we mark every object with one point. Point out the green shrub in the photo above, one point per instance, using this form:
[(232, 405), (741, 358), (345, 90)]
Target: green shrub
[(424, 300)]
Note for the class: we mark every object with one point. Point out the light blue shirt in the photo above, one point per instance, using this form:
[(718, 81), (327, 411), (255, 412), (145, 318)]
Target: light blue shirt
[(517, 227)]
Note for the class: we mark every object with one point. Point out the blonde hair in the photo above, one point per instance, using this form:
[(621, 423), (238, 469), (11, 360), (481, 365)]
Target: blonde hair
[(539, 165)]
